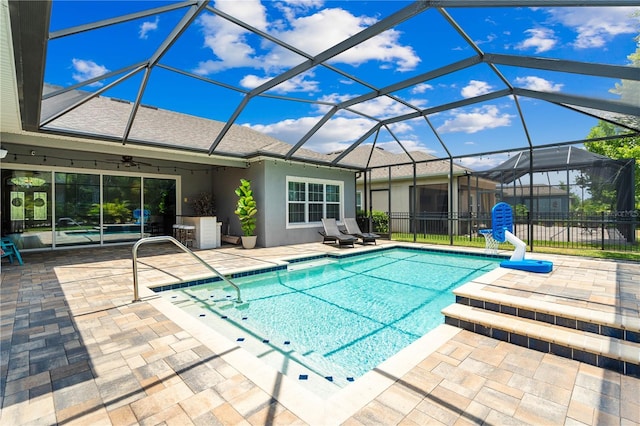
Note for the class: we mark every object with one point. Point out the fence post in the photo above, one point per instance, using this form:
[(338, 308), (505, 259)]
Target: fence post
[(602, 232), (530, 230)]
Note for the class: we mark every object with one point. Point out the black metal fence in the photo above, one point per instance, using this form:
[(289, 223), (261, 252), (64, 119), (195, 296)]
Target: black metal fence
[(616, 231)]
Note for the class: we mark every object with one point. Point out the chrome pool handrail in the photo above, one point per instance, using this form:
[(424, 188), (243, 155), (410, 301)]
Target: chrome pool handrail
[(161, 238)]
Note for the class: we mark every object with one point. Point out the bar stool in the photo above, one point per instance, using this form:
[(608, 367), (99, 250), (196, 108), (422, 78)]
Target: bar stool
[(176, 231), (188, 235)]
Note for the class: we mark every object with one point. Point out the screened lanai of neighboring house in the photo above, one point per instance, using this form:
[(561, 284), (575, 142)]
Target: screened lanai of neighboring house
[(452, 87), (616, 174)]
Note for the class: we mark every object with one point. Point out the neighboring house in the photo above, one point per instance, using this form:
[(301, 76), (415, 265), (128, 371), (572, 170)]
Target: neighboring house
[(392, 189), (547, 199), (570, 163)]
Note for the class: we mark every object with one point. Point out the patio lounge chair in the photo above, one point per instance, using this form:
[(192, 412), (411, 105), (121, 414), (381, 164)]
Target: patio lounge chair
[(332, 234), (9, 249), (353, 229)]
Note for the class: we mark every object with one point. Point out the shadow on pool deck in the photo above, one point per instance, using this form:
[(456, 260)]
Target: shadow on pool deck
[(75, 349)]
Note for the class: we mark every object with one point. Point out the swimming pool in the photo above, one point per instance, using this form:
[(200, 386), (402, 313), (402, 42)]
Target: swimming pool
[(336, 318)]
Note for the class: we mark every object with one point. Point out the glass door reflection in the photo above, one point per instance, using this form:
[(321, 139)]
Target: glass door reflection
[(121, 199)]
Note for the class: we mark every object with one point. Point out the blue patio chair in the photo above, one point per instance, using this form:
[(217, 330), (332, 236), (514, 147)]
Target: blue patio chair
[(10, 250), (137, 214)]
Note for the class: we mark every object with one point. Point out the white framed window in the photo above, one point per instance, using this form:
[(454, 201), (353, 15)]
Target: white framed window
[(358, 201), (310, 200)]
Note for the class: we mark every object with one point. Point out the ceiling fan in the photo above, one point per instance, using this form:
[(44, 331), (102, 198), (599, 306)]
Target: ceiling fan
[(127, 161)]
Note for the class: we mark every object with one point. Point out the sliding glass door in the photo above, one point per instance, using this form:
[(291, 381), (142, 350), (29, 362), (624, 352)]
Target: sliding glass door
[(159, 205), (84, 208), (121, 202), (26, 208), (77, 204)]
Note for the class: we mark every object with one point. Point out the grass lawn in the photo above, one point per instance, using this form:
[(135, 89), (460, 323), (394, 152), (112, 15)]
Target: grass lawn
[(538, 247)]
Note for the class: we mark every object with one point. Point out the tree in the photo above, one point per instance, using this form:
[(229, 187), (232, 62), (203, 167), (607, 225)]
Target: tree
[(626, 146), (575, 201), (629, 90), (617, 149), (113, 212)]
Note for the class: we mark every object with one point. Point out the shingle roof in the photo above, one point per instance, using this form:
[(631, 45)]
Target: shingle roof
[(402, 167), (108, 117), (539, 190), (34, 44)]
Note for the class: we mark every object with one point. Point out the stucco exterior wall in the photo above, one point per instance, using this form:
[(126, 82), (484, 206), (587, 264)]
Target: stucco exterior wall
[(399, 192), (194, 178), (268, 181), (276, 173), (268, 178), (225, 182)]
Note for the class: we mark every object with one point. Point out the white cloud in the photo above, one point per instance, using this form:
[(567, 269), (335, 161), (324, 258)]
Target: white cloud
[(228, 41), (338, 133), (234, 47), (250, 11), (332, 98), (486, 117), (475, 88), (337, 25), (251, 81), (537, 83), (421, 88), (290, 7), (404, 126), (382, 107), (148, 26), (302, 4), (86, 70), (488, 39), (409, 145), (597, 25), (335, 135), (300, 83), (540, 39), (482, 163)]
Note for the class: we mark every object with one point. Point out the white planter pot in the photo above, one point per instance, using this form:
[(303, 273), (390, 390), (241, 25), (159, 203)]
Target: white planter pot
[(249, 242)]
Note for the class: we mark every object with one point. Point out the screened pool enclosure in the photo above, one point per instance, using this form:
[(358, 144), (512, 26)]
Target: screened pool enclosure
[(478, 101)]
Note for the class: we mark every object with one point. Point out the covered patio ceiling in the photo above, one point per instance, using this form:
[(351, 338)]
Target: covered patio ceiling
[(453, 78)]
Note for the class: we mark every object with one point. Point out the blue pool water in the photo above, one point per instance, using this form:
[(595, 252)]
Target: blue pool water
[(342, 318)]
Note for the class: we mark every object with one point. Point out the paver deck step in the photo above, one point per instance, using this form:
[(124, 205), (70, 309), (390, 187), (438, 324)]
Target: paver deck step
[(603, 351), (607, 323)]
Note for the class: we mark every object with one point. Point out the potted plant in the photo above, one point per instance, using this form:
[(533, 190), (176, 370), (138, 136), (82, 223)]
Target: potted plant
[(207, 228), (246, 212), (205, 205)]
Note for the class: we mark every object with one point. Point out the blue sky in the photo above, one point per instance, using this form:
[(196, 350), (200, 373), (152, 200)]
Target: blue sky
[(222, 51)]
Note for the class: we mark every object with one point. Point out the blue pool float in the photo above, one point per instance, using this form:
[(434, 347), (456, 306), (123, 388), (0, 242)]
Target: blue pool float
[(530, 265), (502, 221)]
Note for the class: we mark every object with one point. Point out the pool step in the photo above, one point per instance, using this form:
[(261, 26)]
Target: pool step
[(298, 266), (608, 340), (613, 323)]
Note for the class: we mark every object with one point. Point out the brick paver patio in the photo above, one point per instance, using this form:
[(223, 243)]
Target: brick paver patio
[(76, 350)]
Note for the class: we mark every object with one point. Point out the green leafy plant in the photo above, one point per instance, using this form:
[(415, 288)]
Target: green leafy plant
[(246, 208), (113, 212), (521, 210), (379, 221)]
